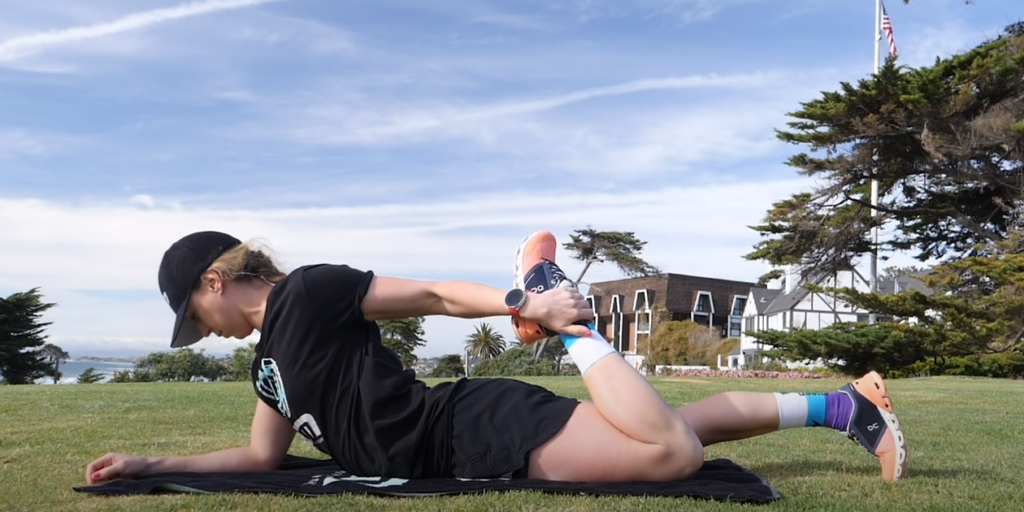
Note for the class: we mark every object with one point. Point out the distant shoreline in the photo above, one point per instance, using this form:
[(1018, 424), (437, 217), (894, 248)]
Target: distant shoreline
[(94, 359)]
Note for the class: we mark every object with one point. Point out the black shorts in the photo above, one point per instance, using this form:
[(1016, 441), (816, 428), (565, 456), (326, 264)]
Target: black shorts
[(497, 422)]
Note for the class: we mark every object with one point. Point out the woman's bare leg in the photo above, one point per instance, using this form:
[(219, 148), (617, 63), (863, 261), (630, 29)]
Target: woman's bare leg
[(623, 400), (590, 449), (640, 436), (732, 416), (628, 401)]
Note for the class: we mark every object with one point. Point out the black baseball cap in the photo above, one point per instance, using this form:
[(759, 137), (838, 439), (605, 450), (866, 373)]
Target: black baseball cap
[(184, 262)]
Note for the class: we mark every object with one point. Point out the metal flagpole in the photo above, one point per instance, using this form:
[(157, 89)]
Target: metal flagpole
[(873, 284)]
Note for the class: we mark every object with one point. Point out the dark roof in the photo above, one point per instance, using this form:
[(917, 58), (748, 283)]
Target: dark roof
[(626, 289), (676, 292), (786, 301), (763, 298)]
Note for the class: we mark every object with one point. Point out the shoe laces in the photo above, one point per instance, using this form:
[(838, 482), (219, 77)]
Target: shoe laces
[(559, 275)]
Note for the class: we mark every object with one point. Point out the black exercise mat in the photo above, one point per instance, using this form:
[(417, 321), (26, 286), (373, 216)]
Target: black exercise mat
[(719, 479)]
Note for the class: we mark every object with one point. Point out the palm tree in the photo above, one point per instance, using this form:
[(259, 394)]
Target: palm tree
[(55, 355), (485, 343)]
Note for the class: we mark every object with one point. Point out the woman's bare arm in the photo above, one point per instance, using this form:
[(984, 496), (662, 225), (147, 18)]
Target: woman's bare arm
[(270, 437), (394, 298)]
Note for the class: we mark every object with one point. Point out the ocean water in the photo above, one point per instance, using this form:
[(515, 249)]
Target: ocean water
[(72, 369)]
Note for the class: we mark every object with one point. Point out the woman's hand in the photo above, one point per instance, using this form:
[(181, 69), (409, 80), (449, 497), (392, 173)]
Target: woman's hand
[(114, 466), (558, 309)]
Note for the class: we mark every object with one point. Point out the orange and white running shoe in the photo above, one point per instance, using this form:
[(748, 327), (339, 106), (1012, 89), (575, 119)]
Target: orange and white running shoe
[(873, 424), (536, 272)]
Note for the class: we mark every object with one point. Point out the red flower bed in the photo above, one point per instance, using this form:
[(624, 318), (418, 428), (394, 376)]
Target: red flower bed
[(750, 374)]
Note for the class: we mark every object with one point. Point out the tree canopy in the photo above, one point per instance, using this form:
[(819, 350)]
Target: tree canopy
[(403, 337), (55, 356), (946, 146), (178, 366), (22, 334), (450, 365), (89, 376), (944, 142), (621, 248)]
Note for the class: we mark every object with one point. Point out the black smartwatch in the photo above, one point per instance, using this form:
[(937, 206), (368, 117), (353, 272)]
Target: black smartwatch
[(514, 300)]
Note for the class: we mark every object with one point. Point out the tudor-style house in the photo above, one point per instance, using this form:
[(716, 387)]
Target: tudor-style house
[(623, 309), (786, 304)]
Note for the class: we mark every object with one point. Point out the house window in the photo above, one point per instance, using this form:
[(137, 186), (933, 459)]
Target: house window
[(616, 311), (738, 304), (642, 308), (593, 307), (735, 327), (750, 325), (736, 317), (799, 320), (643, 312), (704, 304), (703, 309)]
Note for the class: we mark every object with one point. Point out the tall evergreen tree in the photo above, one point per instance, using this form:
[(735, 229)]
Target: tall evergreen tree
[(21, 336), (945, 144), (403, 337)]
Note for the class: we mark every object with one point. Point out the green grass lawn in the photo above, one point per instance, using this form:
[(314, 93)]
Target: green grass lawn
[(966, 439)]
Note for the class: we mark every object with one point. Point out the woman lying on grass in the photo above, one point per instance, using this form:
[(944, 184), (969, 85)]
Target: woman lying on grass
[(321, 370)]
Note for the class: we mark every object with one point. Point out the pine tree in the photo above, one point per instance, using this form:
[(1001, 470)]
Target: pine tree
[(22, 336), (90, 376), (403, 337), (945, 144)]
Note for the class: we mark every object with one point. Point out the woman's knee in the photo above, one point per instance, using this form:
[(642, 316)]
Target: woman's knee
[(678, 460)]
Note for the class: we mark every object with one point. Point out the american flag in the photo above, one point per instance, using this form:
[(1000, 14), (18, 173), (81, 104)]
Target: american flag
[(887, 28)]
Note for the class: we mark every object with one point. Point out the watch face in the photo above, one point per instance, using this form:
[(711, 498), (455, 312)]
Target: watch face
[(514, 298)]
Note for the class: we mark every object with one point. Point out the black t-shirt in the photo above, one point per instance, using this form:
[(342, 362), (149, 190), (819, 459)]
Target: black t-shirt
[(321, 365)]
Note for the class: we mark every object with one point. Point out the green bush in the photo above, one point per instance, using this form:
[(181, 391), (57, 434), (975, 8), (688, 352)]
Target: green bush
[(122, 376), (514, 362), (1000, 366), (449, 366)]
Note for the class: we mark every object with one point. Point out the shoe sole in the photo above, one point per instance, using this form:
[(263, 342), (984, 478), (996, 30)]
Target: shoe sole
[(517, 269), (893, 448)]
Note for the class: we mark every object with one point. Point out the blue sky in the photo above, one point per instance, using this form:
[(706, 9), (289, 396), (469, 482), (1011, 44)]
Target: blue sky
[(410, 138)]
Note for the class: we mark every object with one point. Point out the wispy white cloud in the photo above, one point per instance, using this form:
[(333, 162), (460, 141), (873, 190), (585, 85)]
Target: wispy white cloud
[(697, 140), (513, 21), (331, 123), (13, 49), (99, 260), (730, 118), (311, 35), (15, 142), (684, 11)]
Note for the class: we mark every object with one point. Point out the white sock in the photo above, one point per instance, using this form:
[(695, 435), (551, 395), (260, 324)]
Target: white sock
[(792, 410), (587, 351)]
